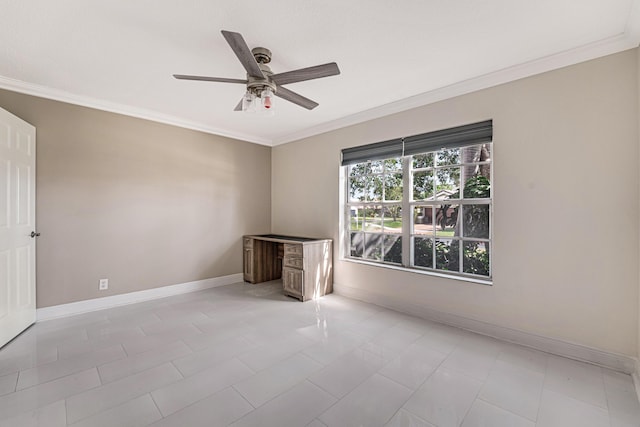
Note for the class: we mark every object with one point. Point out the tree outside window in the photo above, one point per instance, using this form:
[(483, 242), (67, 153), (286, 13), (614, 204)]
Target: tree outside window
[(438, 201)]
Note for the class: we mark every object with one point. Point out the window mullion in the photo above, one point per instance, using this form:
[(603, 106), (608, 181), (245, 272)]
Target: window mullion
[(346, 239), (460, 219), (407, 215)]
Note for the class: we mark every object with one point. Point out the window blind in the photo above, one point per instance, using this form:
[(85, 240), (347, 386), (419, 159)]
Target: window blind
[(460, 136), (376, 151)]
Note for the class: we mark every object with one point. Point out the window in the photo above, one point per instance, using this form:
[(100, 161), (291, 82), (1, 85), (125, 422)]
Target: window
[(375, 210), (429, 209)]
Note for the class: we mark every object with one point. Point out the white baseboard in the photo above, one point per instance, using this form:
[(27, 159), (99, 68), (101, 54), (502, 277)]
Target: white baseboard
[(618, 362), (636, 378), (63, 310)]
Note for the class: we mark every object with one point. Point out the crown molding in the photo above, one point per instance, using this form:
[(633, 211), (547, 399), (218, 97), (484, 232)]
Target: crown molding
[(628, 40), (112, 107), (632, 29)]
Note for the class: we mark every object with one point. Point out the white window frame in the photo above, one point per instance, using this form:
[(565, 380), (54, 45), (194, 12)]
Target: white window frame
[(408, 235)]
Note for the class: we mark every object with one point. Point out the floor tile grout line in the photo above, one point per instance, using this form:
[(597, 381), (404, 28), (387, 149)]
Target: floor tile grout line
[(330, 406), (606, 395), (496, 405), (100, 375), (15, 386), (66, 397), (237, 357), (473, 401), (156, 405), (414, 391), (172, 362), (288, 389), (577, 399), (233, 386), (517, 367), (52, 380), (402, 408), (117, 405), (71, 373), (546, 370)]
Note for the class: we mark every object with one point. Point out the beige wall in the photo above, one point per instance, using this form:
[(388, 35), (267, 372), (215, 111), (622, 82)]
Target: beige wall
[(140, 203), (566, 222)]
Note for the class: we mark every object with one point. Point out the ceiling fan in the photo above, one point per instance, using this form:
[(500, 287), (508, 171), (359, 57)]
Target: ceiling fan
[(261, 83)]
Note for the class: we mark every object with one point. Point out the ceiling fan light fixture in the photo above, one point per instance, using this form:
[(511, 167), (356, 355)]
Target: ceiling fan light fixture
[(259, 102), (249, 103), (266, 97)]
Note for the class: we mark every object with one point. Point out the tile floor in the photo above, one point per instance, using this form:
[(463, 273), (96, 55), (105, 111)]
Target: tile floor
[(244, 355)]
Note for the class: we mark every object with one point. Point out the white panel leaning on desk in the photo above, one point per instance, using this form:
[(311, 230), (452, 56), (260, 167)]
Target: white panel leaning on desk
[(305, 264)]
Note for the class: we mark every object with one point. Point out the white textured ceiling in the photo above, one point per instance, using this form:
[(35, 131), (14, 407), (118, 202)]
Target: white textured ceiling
[(119, 55)]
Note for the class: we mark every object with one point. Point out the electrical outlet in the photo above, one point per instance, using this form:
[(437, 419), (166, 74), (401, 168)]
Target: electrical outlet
[(104, 284)]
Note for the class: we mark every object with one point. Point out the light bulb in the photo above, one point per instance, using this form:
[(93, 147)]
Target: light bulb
[(267, 100)]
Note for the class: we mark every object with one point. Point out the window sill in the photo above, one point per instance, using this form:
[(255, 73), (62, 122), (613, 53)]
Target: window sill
[(488, 282)]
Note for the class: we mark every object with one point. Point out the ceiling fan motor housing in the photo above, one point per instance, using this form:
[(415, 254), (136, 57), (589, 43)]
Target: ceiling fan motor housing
[(256, 84), (261, 54)]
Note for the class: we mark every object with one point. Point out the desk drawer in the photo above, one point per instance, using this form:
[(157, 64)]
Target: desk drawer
[(247, 242), (291, 249), (293, 261), (293, 282)]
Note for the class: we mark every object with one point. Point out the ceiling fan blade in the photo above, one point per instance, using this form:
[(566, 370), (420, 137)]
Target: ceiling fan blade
[(242, 51), (239, 106), (295, 98), (325, 70), (208, 79)]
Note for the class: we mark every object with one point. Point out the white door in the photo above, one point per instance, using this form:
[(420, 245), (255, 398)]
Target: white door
[(17, 223)]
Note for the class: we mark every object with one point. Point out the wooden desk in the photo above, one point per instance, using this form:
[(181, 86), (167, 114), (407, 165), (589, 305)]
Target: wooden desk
[(305, 264)]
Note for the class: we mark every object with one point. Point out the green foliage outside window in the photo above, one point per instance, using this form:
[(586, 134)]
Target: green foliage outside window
[(459, 240)]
